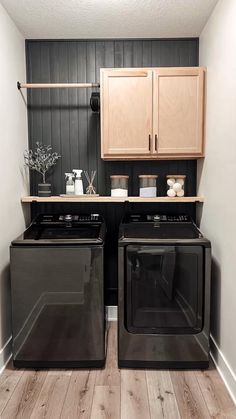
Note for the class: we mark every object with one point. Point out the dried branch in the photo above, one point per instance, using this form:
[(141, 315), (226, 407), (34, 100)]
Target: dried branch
[(41, 159)]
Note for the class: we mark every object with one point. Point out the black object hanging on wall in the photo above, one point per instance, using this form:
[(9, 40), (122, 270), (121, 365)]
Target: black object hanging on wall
[(95, 102)]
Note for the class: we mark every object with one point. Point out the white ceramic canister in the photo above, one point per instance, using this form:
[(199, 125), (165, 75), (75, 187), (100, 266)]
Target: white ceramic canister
[(148, 186), (175, 185), (119, 185)]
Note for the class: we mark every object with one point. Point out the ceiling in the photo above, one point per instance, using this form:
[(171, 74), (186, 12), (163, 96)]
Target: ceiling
[(59, 19)]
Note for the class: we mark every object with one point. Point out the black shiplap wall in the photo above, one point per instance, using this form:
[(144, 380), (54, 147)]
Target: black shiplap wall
[(63, 118)]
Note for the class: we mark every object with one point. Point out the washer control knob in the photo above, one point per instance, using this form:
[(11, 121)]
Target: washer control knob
[(68, 217)]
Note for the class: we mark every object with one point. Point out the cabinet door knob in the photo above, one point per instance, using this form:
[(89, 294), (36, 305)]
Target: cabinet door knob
[(149, 139), (156, 142)]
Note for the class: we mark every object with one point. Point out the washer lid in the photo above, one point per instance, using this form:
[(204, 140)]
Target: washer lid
[(78, 232), (66, 229)]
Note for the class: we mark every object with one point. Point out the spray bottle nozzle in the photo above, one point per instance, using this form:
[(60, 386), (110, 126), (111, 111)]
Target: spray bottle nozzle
[(77, 173), (69, 175)]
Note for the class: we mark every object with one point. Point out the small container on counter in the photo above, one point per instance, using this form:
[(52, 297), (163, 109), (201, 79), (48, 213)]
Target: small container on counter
[(119, 185), (175, 185), (70, 185), (148, 186)]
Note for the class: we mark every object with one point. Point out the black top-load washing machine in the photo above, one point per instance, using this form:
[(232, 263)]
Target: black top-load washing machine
[(164, 293), (57, 285)]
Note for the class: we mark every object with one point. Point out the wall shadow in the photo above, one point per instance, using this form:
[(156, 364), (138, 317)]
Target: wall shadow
[(215, 300), (5, 306)]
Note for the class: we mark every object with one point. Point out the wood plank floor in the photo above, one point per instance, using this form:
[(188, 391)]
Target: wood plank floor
[(113, 393)]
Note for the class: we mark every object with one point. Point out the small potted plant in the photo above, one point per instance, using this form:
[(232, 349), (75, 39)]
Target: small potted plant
[(41, 160)]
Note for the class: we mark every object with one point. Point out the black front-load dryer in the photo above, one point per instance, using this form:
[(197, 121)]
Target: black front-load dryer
[(57, 285), (164, 293)]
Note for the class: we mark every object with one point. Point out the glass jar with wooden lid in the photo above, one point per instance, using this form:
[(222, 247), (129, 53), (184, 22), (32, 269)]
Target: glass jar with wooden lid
[(148, 186), (175, 185), (119, 185)]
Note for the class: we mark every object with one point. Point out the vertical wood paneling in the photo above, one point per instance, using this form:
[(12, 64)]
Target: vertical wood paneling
[(100, 61), (156, 53), (128, 54), (119, 53), (64, 110), (91, 117), (109, 54), (35, 107), (45, 97), (73, 103), (165, 54), (184, 54), (137, 54), (57, 180), (82, 108), (45, 93), (147, 53), (64, 119)]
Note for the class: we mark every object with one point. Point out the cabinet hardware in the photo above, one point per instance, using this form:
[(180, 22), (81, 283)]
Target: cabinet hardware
[(155, 142), (149, 139)]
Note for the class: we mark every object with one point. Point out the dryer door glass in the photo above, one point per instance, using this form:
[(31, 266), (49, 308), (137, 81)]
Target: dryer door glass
[(164, 286)]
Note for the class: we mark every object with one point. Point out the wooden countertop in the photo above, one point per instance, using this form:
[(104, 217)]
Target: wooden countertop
[(86, 198)]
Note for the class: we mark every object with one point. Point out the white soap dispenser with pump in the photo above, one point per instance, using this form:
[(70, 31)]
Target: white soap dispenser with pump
[(79, 190)]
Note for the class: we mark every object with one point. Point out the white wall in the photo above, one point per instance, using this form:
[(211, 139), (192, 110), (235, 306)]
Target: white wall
[(13, 141), (217, 182)]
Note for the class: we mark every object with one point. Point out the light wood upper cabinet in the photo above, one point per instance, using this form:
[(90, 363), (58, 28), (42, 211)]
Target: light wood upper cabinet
[(126, 114), (152, 113), (178, 111)]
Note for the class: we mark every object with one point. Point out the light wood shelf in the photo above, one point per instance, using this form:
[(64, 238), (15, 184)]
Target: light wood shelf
[(157, 199)]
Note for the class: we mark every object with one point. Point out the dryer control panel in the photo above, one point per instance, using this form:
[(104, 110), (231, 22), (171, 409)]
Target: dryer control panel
[(135, 218)]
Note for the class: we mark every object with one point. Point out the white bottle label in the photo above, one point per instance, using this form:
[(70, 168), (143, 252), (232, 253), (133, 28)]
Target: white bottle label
[(70, 189), (148, 192), (119, 192), (79, 187)]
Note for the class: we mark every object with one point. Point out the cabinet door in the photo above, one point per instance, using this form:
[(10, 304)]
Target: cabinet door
[(126, 113), (178, 111)]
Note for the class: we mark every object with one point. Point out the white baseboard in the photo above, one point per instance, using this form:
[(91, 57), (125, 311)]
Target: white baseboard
[(5, 354), (224, 369), (111, 312)]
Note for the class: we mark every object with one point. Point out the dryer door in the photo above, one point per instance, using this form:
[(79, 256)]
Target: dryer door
[(164, 286)]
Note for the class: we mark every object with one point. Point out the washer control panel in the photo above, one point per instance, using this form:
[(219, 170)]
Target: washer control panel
[(67, 218), (80, 218)]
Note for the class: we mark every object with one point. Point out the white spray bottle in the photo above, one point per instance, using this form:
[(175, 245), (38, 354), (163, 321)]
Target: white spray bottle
[(79, 190), (70, 186)]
